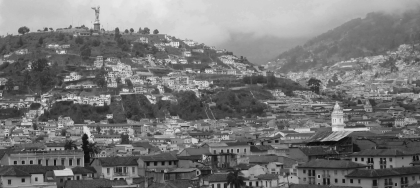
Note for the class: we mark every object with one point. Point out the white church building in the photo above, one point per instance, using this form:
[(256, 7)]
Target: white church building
[(337, 121)]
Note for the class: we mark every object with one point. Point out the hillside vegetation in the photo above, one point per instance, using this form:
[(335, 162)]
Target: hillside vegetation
[(372, 35)]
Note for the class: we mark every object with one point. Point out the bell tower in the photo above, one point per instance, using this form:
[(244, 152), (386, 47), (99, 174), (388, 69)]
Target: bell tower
[(337, 118)]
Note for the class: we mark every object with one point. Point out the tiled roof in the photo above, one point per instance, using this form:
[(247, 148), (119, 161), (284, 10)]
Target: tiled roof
[(197, 151), (160, 157), (319, 186), (261, 148), (94, 183), (12, 171), (331, 164), (83, 170), (310, 151), (382, 152), (118, 161), (268, 176), (263, 158), (237, 143), (216, 177), (376, 173)]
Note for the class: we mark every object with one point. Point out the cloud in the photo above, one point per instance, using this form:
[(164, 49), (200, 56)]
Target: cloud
[(212, 22)]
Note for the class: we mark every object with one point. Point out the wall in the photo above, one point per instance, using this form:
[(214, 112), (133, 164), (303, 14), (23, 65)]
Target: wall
[(397, 161)]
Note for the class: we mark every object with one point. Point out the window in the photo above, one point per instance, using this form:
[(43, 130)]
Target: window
[(15, 162), (147, 163), (78, 162), (231, 150), (61, 180), (23, 162), (31, 162), (414, 178), (77, 177), (107, 170), (304, 179), (9, 182), (134, 170), (170, 162), (390, 166), (336, 180), (335, 172), (163, 163), (214, 151), (221, 151), (39, 161), (70, 162), (304, 171), (46, 162), (55, 162), (36, 178), (344, 180), (374, 182), (355, 159), (358, 181), (218, 185), (237, 150), (362, 159), (23, 180), (155, 163), (175, 162), (390, 159), (319, 176), (351, 180)]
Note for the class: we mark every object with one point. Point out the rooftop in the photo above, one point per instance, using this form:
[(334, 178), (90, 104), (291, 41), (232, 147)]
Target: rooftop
[(331, 164)]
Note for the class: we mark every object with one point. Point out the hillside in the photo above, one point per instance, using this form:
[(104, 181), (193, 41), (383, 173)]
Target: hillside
[(372, 35)]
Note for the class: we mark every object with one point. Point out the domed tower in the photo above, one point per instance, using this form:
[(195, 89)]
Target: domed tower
[(337, 118), (368, 106)]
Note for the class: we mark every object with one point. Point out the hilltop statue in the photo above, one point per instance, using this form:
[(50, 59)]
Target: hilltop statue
[(96, 24), (96, 12)]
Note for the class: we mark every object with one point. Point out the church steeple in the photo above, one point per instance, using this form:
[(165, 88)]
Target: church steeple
[(337, 118)]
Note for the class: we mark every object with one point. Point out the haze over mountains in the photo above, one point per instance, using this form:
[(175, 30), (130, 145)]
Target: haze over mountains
[(372, 35)]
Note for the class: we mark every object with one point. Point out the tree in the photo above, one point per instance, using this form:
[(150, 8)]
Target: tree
[(126, 31), (111, 132), (129, 83), (63, 132), (51, 29), (100, 78), (124, 139), (314, 85), (35, 126), (85, 148), (20, 42), (131, 30), (70, 145), (23, 30), (140, 31), (235, 179), (98, 129), (156, 31), (70, 27), (79, 40), (46, 29), (41, 40), (85, 51), (146, 30), (286, 175), (9, 84), (93, 149), (117, 34), (118, 80)]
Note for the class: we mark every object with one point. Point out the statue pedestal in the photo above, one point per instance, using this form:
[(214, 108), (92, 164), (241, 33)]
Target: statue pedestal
[(97, 26)]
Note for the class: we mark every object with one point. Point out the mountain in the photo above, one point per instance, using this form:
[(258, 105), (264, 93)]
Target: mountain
[(373, 35), (259, 49)]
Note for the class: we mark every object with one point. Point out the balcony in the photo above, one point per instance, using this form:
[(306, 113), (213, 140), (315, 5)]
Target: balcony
[(121, 174)]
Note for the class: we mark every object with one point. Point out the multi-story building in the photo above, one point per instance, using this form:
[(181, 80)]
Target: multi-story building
[(240, 148), (384, 178), (385, 158), (67, 158), (327, 172), (117, 168), (26, 176)]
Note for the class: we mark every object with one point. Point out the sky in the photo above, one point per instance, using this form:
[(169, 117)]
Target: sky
[(257, 29)]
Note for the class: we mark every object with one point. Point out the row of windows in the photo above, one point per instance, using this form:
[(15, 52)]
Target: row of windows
[(162, 163), (23, 180), (54, 162), (121, 170), (227, 151)]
